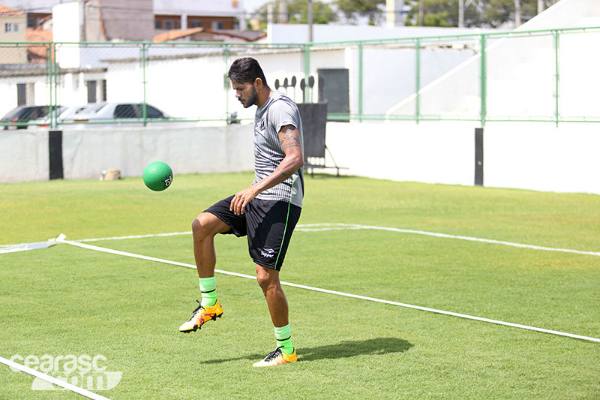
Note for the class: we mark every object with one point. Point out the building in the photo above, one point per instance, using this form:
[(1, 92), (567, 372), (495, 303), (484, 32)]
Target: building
[(210, 14), (12, 29), (137, 20)]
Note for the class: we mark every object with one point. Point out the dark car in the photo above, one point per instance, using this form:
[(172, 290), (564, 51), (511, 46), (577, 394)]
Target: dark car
[(18, 118)]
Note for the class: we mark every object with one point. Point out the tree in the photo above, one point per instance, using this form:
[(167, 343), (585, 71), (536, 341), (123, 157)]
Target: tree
[(297, 12), (353, 9), (477, 13)]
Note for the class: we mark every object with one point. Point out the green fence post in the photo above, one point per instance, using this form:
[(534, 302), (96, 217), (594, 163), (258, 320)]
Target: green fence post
[(53, 87), (417, 79), (226, 82), (360, 81), (306, 72), (144, 108), (556, 75), (483, 82), (50, 82)]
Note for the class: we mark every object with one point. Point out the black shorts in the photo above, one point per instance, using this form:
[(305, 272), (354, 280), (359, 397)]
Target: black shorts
[(268, 225)]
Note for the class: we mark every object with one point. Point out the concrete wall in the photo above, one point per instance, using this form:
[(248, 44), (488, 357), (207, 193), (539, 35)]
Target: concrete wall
[(24, 153), (516, 155), (23, 156)]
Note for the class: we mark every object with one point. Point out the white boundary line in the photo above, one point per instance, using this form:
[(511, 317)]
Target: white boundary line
[(136, 236), (336, 227), (453, 314), (474, 239), (53, 380)]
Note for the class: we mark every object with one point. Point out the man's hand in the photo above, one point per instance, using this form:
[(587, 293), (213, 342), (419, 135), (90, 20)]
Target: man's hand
[(241, 199), (289, 138)]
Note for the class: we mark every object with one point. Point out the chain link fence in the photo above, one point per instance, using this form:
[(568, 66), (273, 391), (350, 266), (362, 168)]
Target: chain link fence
[(548, 75)]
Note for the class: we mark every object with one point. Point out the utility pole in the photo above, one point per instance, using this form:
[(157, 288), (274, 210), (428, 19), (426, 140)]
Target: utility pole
[(540, 6), (283, 12), (461, 13), (421, 12), (270, 14), (517, 13), (81, 21)]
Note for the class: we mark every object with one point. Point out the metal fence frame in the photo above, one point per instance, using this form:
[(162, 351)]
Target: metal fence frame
[(53, 71)]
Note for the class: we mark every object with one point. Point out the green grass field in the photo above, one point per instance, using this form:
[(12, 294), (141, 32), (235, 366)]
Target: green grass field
[(66, 300)]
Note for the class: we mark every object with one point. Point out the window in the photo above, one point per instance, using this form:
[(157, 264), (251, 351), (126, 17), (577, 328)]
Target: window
[(218, 25), (31, 22), (125, 111), (91, 91), (21, 94), (151, 112), (11, 28), (103, 91), (157, 24), (195, 24), (168, 25)]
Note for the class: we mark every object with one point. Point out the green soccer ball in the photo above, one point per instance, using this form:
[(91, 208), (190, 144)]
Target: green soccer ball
[(158, 176)]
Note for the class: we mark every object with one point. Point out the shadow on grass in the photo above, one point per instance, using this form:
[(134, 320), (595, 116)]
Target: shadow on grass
[(345, 349)]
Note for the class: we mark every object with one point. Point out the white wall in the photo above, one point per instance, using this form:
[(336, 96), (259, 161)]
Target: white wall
[(516, 155), (542, 157), (187, 150), (521, 72), (435, 152), (66, 27), (8, 88), (537, 156), (24, 156), (86, 153), (193, 87)]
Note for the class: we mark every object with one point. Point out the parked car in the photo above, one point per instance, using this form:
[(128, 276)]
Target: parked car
[(67, 114), (22, 116), (119, 113)]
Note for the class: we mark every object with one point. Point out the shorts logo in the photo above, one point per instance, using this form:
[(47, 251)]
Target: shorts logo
[(268, 253)]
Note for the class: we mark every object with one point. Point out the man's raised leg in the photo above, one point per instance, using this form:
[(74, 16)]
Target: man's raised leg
[(204, 229)]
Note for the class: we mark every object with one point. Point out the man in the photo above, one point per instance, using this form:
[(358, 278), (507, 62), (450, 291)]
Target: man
[(266, 212)]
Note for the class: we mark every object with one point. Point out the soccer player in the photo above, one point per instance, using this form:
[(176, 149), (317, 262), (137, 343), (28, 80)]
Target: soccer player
[(266, 212)]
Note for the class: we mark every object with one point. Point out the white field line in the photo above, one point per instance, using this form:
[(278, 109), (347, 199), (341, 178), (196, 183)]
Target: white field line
[(137, 236), (53, 380), (335, 227), (474, 239), (453, 314)]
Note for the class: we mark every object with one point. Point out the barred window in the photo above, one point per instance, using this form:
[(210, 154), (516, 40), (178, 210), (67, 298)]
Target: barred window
[(11, 27)]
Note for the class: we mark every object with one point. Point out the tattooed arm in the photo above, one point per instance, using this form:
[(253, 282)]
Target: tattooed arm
[(289, 138)]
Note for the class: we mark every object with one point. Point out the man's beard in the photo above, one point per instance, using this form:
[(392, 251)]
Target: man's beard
[(252, 99)]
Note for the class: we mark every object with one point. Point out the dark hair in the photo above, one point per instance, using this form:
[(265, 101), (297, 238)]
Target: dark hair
[(245, 70)]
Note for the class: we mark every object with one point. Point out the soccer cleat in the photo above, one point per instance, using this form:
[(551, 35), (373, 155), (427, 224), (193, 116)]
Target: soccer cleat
[(200, 316), (276, 357)]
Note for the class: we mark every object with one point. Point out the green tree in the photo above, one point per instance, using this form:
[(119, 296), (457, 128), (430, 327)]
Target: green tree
[(353, 9), (478, 13), (297, 12)]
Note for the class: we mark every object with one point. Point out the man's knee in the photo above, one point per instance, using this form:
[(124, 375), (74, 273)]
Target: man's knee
[(267, 277), (206, 225)]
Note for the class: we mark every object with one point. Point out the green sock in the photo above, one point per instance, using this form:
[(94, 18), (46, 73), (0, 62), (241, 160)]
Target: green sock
[(284, 339), (208, 287)]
